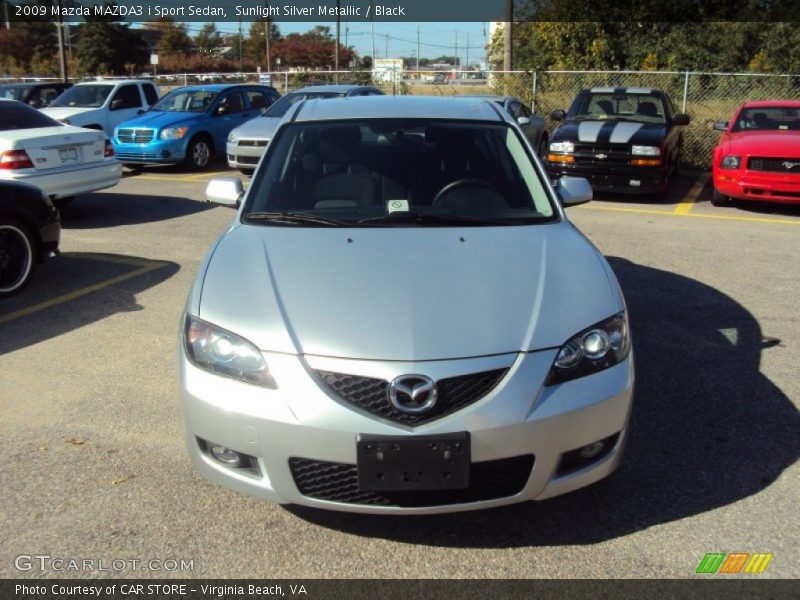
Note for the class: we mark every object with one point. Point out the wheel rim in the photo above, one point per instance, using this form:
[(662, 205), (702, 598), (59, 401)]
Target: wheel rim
[(201, 154), (16, 258), (543, 149)]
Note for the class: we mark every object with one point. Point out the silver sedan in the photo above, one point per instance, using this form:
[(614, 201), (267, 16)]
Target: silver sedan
[(401, 319)]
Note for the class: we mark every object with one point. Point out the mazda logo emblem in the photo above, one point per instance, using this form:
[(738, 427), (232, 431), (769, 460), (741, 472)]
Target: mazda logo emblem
[(413, 393)]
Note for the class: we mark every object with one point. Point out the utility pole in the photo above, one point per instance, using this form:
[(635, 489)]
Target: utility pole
[(386, 50), (266, 37), (5, 14), (455, 56), (508, 62), (336, 54), (417, 49), (62, 59), (372, 32), (241, 56), (467, 49)]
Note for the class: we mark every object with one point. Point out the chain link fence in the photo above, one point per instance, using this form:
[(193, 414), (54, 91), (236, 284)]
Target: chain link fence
[(706, 97)]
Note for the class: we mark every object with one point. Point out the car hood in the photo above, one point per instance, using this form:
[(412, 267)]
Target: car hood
[(406, 294), (610, 132), (780, 144), (65, 112), (157, 119), (258, 128)]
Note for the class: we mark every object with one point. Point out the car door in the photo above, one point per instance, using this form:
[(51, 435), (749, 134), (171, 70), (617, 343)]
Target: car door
[(226, 113), (125, 104)]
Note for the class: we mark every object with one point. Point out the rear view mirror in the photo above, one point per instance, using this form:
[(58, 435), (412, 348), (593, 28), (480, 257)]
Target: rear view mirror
[(681, 119), (226, 191), (721, 125), (573, 190), (557, 115)]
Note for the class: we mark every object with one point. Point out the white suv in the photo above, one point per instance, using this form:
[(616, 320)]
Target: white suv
[(103, 104)]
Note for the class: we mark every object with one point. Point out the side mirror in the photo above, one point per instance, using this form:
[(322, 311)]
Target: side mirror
[(220, 110), (721, 125), (573, 190), (117, 104), (524, 121), (557, 115), (681, 119), (226, 191)]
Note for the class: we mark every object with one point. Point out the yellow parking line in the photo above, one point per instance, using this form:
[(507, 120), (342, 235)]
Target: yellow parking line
[(201, 175), (685, 206), (198, 177), (151, 266), (693, 215)]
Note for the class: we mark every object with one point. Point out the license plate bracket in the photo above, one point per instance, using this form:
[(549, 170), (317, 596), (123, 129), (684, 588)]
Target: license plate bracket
[(426, 462), (68, 154)]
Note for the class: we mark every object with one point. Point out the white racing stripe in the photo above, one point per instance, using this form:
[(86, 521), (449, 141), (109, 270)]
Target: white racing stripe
[(588, 131), (602, 90), (623, 132), (638, 90)]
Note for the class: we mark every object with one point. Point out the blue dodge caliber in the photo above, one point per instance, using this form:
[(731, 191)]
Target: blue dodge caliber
[(190, 124)]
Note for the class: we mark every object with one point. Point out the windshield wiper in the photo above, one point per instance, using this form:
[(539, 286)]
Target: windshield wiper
[(294, 218), (416, 218)]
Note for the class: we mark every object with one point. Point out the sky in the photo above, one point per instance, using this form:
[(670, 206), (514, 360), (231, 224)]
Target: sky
[(436, 39)]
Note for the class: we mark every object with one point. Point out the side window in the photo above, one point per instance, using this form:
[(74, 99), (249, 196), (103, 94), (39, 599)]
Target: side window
[(274, 95), (150, 94), (126, 97), (230, 103), (515, 109), (526, 112), (258, 99)]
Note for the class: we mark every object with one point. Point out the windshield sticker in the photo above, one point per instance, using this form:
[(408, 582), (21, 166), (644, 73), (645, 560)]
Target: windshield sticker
[(397, 206)]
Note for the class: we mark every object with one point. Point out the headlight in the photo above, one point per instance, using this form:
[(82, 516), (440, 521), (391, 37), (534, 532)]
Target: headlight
[(173, 133), (645, 151), (225, 353), (594, 349), (731, 162), (233, 138), (562, 147)]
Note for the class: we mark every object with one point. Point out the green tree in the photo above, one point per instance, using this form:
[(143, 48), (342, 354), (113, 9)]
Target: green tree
[(174, 38), (208, 40), (255, 46)]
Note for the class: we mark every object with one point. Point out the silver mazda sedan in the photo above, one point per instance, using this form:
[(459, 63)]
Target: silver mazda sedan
[(401, 319)]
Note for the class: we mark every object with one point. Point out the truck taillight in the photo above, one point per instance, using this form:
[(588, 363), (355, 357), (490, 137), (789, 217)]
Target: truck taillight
[(15, 159)]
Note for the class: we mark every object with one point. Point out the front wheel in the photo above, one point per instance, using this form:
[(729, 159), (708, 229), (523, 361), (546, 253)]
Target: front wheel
[(544, 146), (247, 172), (17, 257), (720, 199), (199, 153)]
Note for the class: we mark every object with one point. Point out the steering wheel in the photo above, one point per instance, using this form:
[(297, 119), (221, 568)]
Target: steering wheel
[(459, 183)]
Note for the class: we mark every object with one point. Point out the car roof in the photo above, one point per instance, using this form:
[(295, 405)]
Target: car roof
[(404, 107), (334, 88), (771, 103), (218, 87), (112, 81)]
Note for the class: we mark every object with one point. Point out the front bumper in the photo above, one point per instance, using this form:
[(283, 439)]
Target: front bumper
[(755, 185), (245, 154), (154, 152), (298, 420), (64, 182), (624, 179)]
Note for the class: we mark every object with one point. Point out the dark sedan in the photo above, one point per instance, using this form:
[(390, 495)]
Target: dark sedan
[(38, 95), (30, 230), (620, 139), (532, 125)]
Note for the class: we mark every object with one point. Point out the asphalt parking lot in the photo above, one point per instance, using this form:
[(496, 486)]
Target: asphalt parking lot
[(94, 465)]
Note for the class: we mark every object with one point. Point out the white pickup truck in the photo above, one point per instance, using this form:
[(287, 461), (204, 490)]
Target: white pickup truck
[(103, 104)]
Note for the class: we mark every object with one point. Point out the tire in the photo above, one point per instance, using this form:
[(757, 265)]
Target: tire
[(199, 153), (720, 199), (18, 251), (247, 172), (544, 146), (62, 202)]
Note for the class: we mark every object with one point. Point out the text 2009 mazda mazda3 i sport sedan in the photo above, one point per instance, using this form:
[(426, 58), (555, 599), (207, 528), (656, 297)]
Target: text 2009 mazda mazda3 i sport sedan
[(401, 319)]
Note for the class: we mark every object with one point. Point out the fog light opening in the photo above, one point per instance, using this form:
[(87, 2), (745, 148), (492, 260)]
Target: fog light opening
[(230, 458), (227, 456), (586, 455)]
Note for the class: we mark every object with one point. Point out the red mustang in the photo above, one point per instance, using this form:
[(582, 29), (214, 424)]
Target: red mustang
[(758, 156)]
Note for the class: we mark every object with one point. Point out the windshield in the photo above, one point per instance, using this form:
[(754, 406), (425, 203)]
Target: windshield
[(644, 108), (196, 101), (773, 118), (84, 96), (285, 103), (15, 115), (398, 172), (14, 92)]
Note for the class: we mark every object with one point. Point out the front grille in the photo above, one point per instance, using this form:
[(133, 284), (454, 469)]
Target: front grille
[(253, 143), (371, 395), (247, 160), (123, 156), (614, 154), (338, 482), (135, 136), (774, 165)]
